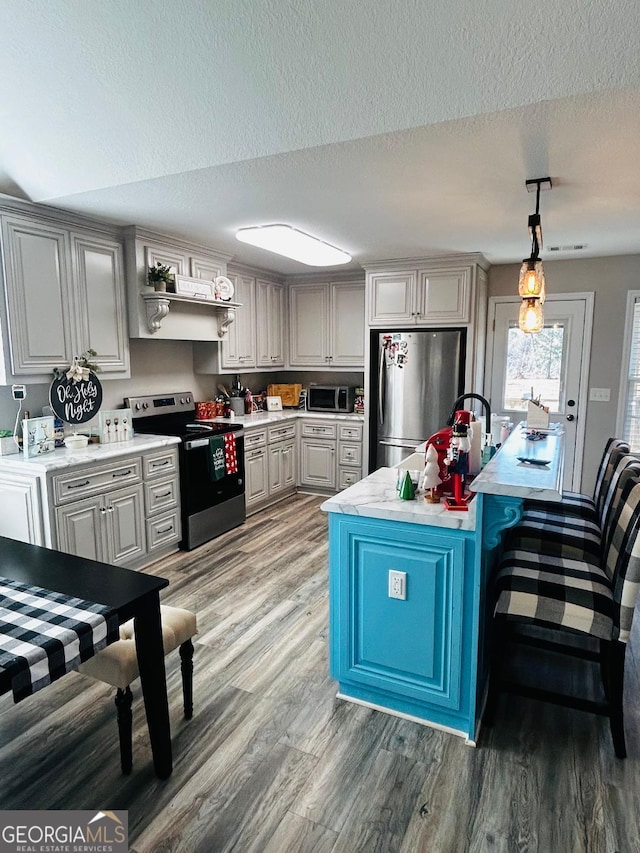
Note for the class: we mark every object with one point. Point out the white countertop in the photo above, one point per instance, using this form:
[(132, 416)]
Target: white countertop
[(262, 418), (92, 454), (376, 497), (505, 475)]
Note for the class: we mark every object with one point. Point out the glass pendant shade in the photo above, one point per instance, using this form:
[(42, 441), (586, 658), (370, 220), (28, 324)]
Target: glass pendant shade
[(531, 283), (531, 317)]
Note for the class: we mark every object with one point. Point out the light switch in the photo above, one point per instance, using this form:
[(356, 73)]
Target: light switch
[(599, 395)]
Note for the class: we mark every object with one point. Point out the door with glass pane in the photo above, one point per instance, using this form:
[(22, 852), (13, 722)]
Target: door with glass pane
[(552, 364)]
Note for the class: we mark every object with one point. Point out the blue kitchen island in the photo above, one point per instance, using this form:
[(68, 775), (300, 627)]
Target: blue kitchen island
[(408, 584)]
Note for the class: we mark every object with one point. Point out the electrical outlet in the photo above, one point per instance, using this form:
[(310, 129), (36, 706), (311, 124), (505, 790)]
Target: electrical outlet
[(19, 392), (397, 585), (599, 395)]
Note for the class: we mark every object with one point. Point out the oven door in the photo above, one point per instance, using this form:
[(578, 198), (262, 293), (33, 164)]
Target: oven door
[(198, 491)]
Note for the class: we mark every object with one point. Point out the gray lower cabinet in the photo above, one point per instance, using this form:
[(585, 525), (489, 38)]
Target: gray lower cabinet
[(161, 500), (318, 463), (256, 477), (326, 457), (282, 467), (330, 454), (318, 454), (349, 454), (270, 464), (109, 528), (99, 517)]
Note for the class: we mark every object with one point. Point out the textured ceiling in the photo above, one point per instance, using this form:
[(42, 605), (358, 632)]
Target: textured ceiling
[(389, 129)]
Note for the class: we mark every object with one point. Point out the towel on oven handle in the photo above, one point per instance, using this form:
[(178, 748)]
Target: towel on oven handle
[(230, 454), (216, 458)]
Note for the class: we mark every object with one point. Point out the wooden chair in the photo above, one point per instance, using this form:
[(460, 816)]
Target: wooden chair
[(588, 597), (117, 665)]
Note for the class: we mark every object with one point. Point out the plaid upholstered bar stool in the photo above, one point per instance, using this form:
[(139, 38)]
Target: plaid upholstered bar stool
[(577, 504), (586, 597), (117, 665), (549, 529)]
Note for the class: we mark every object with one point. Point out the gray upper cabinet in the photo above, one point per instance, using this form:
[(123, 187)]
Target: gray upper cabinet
[(431, 293), (327, 324), (176, 260), (270, 302), (256, 340), (38, 296), (64, 293), (429, 296), (238, 348), (209, 269), (173, 316), (99, 288)]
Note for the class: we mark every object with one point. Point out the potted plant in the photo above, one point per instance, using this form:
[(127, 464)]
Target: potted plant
[(159, 276)]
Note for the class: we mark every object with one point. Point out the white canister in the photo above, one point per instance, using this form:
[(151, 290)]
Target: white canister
[(498, 424)]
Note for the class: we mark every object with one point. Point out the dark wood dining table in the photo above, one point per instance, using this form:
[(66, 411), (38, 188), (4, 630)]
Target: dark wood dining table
[(131, 594)]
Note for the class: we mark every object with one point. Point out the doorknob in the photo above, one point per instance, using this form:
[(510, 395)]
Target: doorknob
[(571, 417)]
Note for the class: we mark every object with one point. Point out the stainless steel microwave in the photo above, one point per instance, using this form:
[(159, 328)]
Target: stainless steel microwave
[(330, 398)]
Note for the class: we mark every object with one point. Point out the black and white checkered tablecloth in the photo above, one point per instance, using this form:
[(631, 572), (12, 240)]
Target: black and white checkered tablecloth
[(45, 634)]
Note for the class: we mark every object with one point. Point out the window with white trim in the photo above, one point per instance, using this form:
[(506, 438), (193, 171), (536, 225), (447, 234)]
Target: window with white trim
[(629, 409)]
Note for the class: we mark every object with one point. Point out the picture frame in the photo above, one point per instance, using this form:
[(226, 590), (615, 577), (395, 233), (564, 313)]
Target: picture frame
[(115, 425), (38, 436), (196, 288), (274, 404)]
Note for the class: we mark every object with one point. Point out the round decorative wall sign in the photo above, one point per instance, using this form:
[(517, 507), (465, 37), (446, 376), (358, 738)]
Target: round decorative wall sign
[(75, 400)]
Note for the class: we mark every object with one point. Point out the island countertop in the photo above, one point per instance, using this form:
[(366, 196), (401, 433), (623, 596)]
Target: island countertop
[(506, 475), (376, 497)]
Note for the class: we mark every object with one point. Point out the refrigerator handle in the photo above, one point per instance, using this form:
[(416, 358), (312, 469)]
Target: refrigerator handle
[(381, 386)]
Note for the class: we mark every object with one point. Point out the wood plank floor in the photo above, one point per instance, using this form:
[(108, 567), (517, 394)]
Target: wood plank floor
[(272, 763)]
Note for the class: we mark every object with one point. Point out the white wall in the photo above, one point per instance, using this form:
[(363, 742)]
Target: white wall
[(161, 366), (156, 366), (609, 279)]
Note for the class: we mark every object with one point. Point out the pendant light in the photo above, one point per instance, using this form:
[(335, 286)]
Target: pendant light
[(531, 285), (531, 316)]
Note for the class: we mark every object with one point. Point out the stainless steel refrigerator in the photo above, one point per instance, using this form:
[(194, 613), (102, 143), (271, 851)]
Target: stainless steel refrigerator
[(418, 378)]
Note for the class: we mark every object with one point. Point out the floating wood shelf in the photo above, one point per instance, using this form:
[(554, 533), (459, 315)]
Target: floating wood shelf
[(158, 305)]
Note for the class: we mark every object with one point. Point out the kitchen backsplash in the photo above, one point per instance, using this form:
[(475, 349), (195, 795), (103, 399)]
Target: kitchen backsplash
[(160, 366)]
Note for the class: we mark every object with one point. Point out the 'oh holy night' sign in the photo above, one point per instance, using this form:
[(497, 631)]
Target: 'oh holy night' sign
[(75, 400)]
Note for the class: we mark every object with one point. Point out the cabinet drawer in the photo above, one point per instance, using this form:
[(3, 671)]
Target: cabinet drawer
[(160, 464), (347, 477), (318, 430), (163, 530), (91, 481), (353, 432), (160, 494), (255, 438), (350, 454), (281, 431)]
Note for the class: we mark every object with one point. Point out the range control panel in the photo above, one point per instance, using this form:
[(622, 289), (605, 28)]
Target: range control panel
[(160, 404)]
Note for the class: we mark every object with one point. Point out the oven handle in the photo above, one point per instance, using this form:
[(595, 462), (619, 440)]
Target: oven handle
[(203, 442)]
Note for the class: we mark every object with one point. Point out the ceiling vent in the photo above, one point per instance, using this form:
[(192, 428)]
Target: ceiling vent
[(573, 247)]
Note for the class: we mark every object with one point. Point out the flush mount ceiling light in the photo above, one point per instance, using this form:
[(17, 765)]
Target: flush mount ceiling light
[(531, 285), (288, 241)]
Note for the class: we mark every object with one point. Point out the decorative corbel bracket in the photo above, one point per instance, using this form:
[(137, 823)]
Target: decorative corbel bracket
[(500, 512), (157, 309), (225, 318)]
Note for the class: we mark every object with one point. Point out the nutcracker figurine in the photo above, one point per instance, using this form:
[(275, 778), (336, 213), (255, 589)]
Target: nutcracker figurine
[(457, 462)]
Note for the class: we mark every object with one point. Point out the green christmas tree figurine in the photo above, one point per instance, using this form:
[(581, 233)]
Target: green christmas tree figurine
[(407, 492)]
